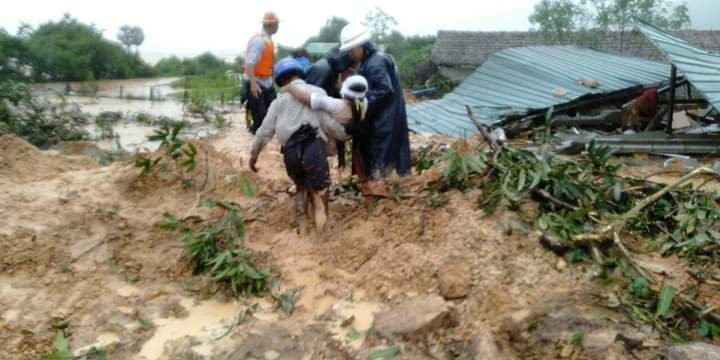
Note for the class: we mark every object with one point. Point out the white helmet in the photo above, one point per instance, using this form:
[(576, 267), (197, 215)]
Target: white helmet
[(353, 35), (354, 87)]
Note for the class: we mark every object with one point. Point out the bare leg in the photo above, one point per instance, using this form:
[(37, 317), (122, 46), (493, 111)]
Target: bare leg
[(320, 208), (301, 205)]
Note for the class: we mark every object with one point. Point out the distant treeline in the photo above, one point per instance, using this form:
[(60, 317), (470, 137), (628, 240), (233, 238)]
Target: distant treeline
[(69, 50)]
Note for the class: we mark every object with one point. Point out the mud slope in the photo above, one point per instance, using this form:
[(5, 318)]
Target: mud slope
[(82, 245)]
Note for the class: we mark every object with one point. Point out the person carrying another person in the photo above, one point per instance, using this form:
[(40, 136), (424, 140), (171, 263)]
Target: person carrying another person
[(384, 144), (260, 58), (325, 73), (349, 111), (303, 134)]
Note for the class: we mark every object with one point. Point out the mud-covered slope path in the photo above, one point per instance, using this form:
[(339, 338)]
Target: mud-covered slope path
[(81, 248)]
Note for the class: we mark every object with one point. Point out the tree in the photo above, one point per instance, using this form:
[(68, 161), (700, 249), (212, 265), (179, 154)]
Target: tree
[(13, 57), (131, 36), (679, 18), (330, 32), (617, 15), (69, 50), (172, 65), (239, 64), (380, 23), (556, 18), (204, 64)]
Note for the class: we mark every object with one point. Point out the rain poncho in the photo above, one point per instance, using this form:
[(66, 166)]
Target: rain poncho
[(385, 143)]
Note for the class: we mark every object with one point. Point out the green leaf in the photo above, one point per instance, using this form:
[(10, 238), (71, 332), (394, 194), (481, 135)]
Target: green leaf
[(62, 349), (191, 151), (27, 332), (189, 164), (577, 338), (170, 222), (639, 287), (176, 130), (353, 335), (247, 187), (704, 329), (252, 273), (387, 353), (664, 301), (348, 321), (521, 180), (157, 137)]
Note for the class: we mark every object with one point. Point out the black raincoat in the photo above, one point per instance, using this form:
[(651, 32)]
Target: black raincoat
[(324, 73), (385, 144)]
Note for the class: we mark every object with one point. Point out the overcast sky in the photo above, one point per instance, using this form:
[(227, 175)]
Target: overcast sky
[(223, 27)]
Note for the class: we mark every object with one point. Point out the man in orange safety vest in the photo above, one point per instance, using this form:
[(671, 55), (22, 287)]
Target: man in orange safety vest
[(259, 62)]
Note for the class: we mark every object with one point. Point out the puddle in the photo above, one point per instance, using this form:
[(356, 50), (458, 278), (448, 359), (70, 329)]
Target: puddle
[(363, 314), (104, 340), (206, 322)]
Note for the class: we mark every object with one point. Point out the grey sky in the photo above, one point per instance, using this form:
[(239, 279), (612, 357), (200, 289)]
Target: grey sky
[(188, 28)]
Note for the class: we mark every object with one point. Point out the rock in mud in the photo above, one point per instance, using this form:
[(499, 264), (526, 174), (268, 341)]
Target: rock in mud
[(271, 342), (484, 346), (455, 280), (536, 331), (181, 349), (414, 317), (694, 351), (69, 196)]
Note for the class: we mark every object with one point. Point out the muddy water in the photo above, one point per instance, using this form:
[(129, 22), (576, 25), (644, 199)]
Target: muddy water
[(94, 106), (133, 136), (206, 322), (136, 88)]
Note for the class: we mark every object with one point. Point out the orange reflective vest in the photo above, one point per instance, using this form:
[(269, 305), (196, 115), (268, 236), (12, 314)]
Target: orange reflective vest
[(264, 67)]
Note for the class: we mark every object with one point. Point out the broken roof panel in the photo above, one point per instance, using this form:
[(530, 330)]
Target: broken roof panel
[(319, 48), (531, 78), (700, 67)]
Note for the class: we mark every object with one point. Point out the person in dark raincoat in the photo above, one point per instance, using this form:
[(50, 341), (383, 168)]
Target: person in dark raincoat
[(324, 73), (383, 145)]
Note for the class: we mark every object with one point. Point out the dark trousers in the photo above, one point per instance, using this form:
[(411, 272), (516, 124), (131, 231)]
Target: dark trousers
[(306, 164), (258, 106), (341, 154)]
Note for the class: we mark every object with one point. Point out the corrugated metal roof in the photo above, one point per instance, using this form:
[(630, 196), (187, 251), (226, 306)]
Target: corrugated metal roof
[(525, 79), (319, 48), (700, 67)]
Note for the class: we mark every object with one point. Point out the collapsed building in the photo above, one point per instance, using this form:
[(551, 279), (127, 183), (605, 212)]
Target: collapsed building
[(628, 103)]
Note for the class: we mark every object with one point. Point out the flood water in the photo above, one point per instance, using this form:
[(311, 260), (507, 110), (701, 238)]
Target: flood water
[(131, 136), (134, 88)]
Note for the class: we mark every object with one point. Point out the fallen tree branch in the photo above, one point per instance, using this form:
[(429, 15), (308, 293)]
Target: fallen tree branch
[(613, 230), (619, 224), (483, 130), (554, 200)]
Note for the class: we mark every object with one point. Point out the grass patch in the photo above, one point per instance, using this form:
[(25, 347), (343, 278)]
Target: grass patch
[(211, 87)]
